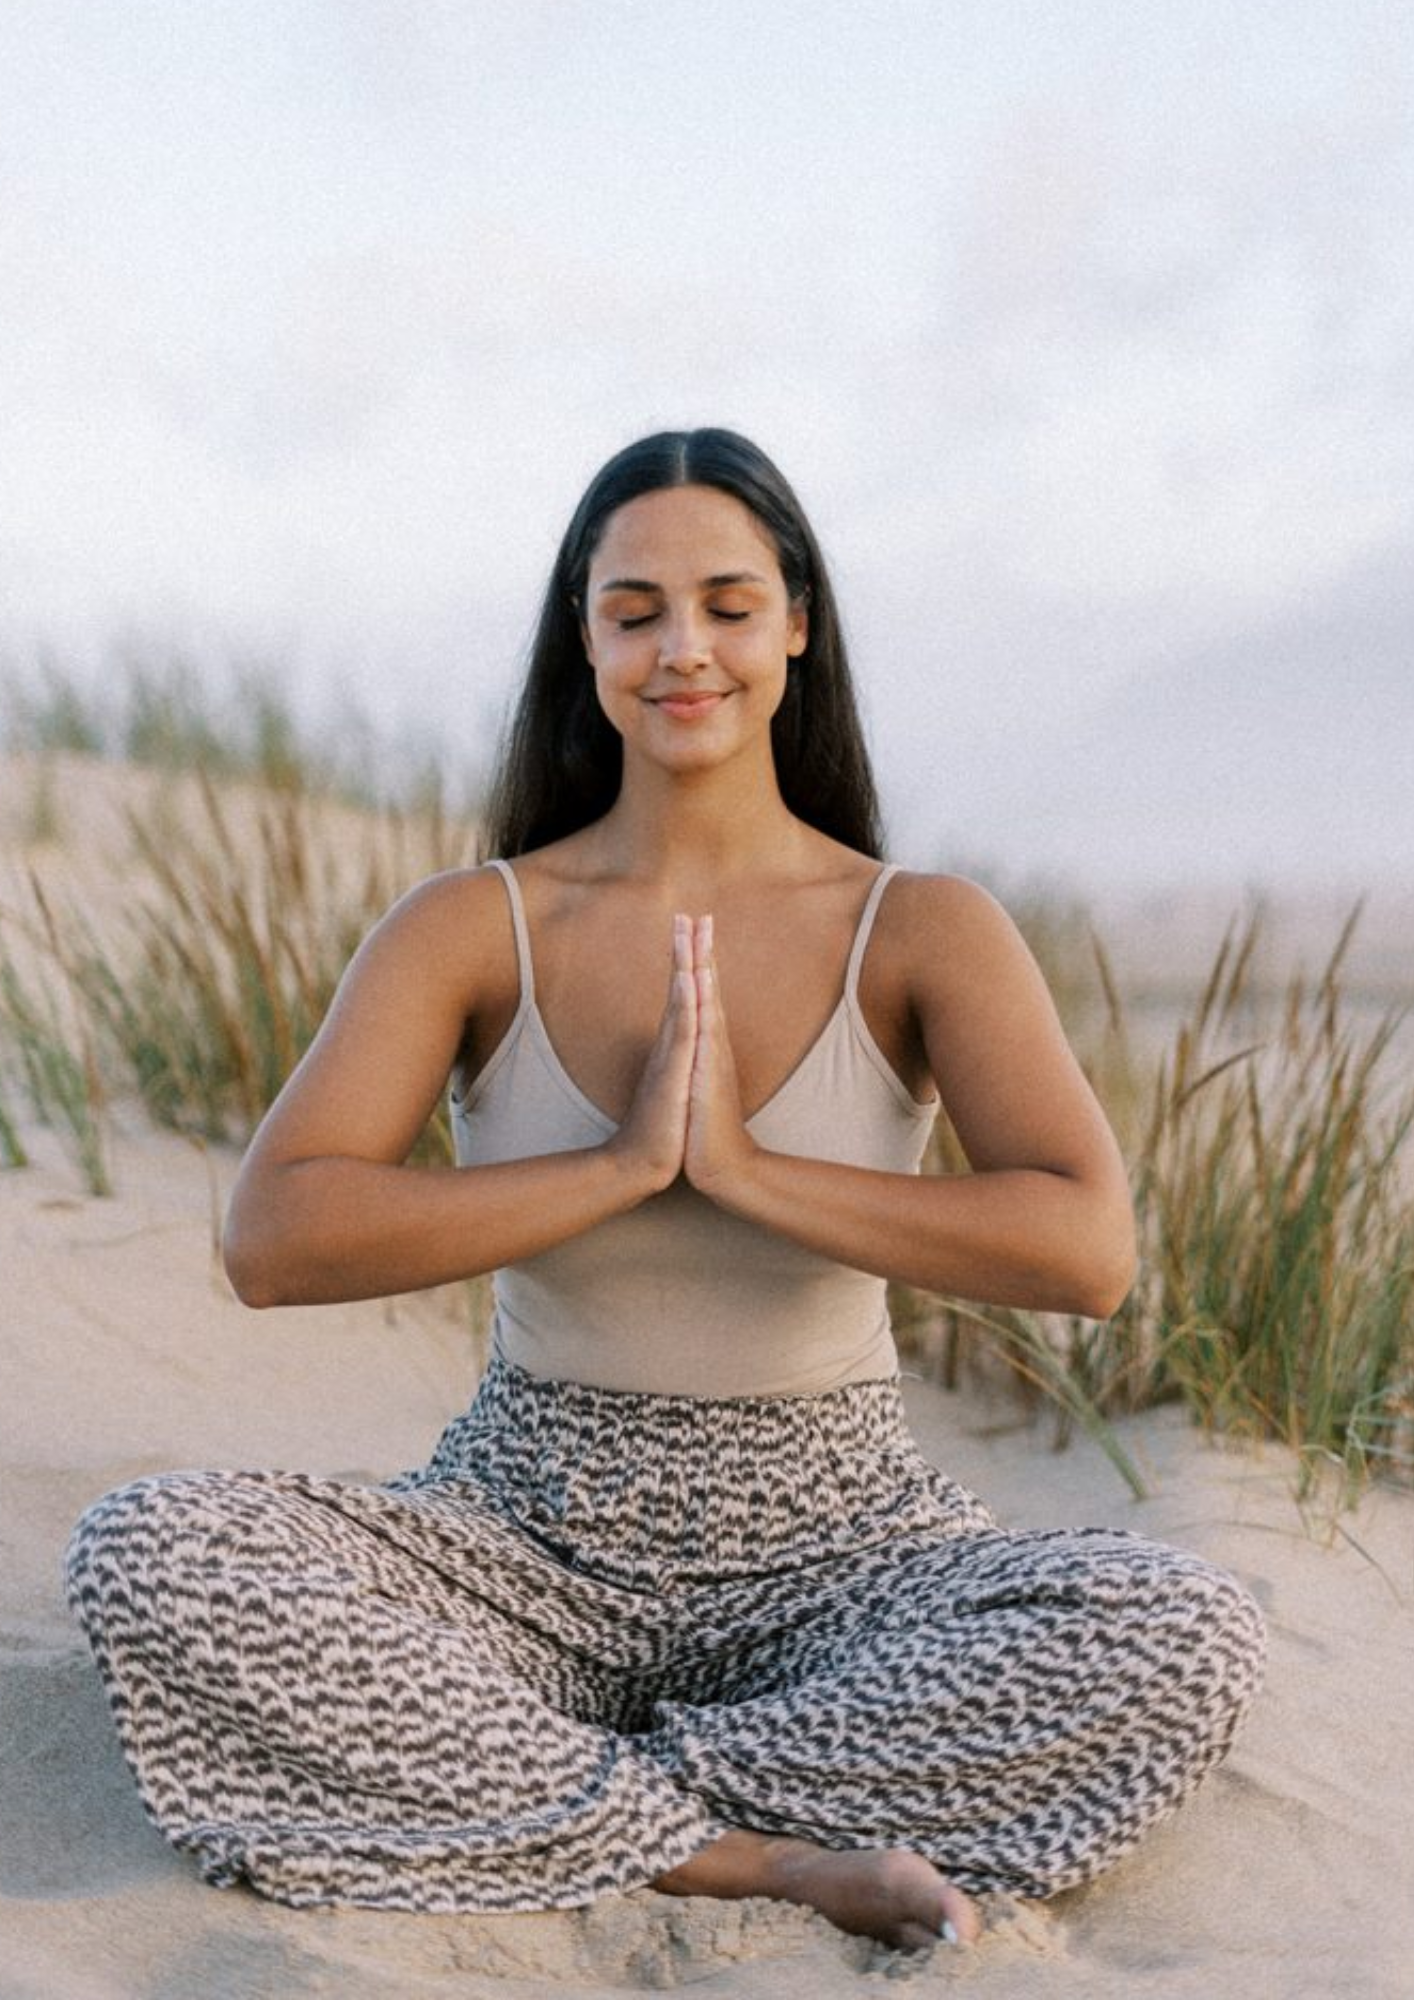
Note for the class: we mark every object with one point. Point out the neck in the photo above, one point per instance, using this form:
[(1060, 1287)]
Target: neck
[(696, 829)]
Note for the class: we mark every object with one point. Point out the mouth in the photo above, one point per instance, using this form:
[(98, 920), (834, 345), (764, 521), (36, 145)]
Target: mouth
[(688, 704)]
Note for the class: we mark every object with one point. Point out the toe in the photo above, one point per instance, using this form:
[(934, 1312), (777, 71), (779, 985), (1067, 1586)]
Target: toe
[(961, 1913)]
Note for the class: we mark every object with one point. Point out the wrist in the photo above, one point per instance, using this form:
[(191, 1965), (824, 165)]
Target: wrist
[(636, 1176), (730, 1183)]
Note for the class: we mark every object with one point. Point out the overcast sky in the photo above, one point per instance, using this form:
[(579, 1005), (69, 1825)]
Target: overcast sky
[(1085, 331)]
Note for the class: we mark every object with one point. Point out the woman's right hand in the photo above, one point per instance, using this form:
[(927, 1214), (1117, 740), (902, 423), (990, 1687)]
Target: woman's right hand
[(652, 1139)]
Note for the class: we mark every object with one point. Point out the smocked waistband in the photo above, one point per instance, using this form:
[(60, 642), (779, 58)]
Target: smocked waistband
[(654, 1490)]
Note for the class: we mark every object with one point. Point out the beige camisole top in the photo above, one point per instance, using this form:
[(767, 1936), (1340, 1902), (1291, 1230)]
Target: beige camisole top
[(677, 1297)]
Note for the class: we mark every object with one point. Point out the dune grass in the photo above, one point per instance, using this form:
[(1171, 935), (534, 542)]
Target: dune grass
[(208, 982), (194, 976), (1269, 1138), (173, 714), (1277, 1284), (1269, 1146)]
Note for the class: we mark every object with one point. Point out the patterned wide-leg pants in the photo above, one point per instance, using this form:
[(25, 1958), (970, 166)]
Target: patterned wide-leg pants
[(601, 1628)]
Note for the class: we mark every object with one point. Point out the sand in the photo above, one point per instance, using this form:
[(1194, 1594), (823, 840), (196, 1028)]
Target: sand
[(123, 1351)]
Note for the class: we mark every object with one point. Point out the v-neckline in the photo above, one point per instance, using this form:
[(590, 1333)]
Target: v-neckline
[(586, 1102), (846, 1007)]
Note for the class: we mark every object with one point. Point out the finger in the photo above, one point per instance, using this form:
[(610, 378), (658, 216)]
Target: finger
[(704, 961), (684, 1008), (707, 998), (704, 1011), (704, 1054), (679, 1021), (682, 956)]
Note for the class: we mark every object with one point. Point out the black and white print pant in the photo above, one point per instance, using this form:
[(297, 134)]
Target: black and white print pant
[(600, 1628)]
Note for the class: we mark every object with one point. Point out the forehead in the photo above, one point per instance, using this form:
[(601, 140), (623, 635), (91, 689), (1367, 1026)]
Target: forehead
[(683, 533)]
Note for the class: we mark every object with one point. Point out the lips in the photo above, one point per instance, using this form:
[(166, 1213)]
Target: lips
[(688, 704)]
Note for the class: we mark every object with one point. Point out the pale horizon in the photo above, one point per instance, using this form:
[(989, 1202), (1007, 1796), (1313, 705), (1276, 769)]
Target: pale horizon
[(1083, 333)]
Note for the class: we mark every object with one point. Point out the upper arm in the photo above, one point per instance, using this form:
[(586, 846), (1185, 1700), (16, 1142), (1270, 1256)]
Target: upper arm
[(1008, 1079), (370, 1079)]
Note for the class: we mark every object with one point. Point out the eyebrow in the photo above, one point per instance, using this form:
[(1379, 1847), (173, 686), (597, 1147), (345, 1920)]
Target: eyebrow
[(656, 589)]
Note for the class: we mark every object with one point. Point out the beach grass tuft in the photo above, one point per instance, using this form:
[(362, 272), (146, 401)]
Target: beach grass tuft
[(1277, 1285), (51, 1039)]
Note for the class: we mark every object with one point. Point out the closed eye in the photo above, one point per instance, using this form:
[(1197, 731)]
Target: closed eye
[(647, 617)]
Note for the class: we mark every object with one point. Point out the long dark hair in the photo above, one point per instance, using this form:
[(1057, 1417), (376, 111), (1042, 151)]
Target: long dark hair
[(562, 762)]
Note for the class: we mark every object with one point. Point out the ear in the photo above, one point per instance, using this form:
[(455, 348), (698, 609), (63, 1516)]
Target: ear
[(797, 630)]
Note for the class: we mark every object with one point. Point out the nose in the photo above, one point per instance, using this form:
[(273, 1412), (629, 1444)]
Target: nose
[(684, 645)]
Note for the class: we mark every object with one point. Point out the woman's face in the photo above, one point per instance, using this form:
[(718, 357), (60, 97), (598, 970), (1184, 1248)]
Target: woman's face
[(688, 626)]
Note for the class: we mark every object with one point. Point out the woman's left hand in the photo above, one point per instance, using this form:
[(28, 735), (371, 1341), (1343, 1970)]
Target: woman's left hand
[(719, 1147)]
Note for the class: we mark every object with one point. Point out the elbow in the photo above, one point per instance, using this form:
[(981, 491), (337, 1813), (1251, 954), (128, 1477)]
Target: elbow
[(249, 1279), (251, 1263), (254, 1294), (1107, 1277), (1102, 1295)]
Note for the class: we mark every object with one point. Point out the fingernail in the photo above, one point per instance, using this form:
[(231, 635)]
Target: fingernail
[(947, 1932)]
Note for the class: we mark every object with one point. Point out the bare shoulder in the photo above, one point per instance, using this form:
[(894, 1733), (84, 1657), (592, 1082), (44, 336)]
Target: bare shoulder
[(451, 933), (434, 974), (454, 894), (947, 979), (449, 910), (944, 933), (946, 900)]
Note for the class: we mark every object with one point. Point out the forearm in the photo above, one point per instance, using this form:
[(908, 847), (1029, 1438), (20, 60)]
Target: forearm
[(317, 1231), (1019, 1237)]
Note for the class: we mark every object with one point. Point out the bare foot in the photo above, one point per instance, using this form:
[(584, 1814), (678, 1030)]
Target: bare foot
[(887, 1893)]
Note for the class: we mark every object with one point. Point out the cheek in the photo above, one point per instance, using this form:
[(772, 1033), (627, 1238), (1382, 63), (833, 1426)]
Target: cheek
[(616, 681), (611, 651), (614, 668)]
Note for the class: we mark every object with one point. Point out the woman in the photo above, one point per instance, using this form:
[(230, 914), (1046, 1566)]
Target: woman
[(677, 1601)]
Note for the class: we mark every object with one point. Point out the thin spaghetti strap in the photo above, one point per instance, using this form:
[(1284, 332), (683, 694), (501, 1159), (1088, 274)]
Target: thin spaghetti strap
[(522, 930), (862, 930)]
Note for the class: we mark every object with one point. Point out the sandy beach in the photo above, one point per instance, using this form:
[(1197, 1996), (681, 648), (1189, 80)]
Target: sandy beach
[(124, 1352)]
